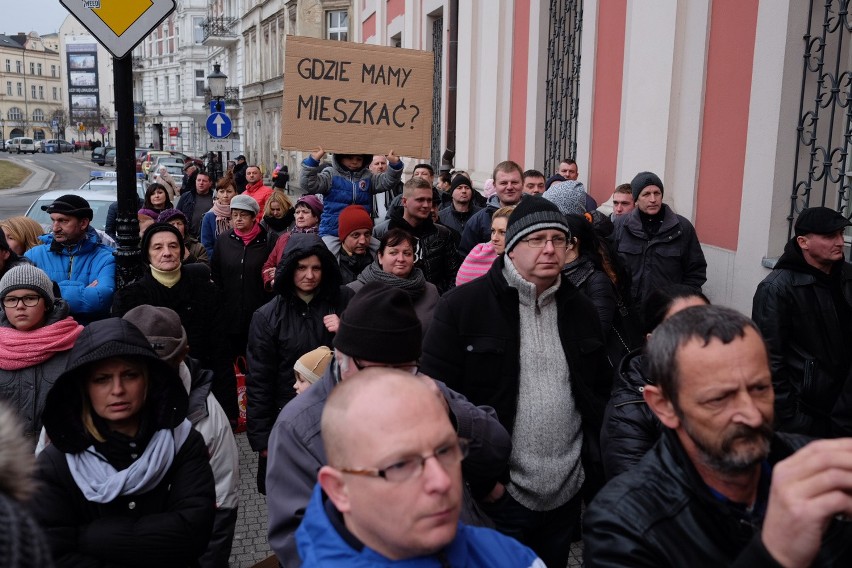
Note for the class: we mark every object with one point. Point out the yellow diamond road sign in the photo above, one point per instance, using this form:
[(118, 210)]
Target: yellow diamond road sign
[(119, 25)]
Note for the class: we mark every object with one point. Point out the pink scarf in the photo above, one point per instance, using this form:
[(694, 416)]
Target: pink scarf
[(22, 349), (223, 217), (249, 237)]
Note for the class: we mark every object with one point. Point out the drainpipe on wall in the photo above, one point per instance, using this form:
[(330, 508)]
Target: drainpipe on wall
[(452, 86)]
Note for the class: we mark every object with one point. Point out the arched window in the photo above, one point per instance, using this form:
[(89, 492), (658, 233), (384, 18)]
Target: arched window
[(15, 114), (38, 115)]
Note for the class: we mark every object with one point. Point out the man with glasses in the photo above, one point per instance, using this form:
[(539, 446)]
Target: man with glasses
[(379, 328), (392, 489), (531, 348)]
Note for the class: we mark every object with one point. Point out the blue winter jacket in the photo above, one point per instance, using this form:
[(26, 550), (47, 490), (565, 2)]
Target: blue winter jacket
[(341, 187), (74, 268), (321, 545)]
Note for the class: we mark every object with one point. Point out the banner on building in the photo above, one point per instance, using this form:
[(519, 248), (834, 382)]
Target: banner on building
[(356, 98)]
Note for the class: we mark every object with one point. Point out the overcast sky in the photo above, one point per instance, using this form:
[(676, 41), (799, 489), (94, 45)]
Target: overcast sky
[(42, 16)]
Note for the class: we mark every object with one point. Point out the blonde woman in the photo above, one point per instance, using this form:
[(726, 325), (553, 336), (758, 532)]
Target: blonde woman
[(22, 233)]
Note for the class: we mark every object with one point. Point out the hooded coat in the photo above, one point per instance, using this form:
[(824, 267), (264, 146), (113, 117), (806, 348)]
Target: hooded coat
[(341, 187), (168, 525), (23, 544), (285, 329)]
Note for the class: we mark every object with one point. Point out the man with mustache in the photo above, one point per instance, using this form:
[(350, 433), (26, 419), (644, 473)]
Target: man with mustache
[(720, 488), (804, 310)]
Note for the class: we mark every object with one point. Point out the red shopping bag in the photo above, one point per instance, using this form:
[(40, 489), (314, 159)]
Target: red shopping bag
[(240, 371)]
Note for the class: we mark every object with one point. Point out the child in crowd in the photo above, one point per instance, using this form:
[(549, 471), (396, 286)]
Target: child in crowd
[(310, 367)]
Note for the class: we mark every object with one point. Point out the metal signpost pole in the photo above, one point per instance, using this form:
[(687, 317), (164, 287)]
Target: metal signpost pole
[(119, 26), (128, 256)]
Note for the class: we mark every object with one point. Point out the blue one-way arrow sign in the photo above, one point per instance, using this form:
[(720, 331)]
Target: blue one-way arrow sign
[(219, 125)]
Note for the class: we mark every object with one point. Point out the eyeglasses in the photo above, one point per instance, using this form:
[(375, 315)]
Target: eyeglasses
[(29, 301), (405, 367), (540, 242), (411, 467)]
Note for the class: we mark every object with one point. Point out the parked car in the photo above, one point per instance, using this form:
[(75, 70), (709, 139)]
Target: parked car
[(22, 144), (107, 182), (99, 201), (56, 143), (99, 155)]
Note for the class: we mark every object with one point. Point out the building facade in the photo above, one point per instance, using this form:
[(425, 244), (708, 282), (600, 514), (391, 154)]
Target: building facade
[(30, 85), (265, 25), (741, 106), (170, 67)]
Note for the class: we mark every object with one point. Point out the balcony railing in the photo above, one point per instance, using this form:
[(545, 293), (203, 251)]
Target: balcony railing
[(137, 62), (138, 109), (219, 31), (232, 97)]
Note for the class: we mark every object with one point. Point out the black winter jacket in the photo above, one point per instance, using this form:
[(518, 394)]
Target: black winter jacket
[(807, 337), (673, 255), (436, 249), (285, 329), (195, 299), (236, 270), (169, 525), (456, 221), (630, 428), (474, 341), (661, 513)]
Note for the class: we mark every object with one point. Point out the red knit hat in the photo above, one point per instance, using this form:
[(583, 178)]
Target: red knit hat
[(352, 218)]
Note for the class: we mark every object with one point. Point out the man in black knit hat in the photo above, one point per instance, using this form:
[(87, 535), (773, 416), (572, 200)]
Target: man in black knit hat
[(658, 246), (379, 328), (519, 341)]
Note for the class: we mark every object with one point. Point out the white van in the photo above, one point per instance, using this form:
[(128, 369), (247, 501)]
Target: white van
[(22, 144)]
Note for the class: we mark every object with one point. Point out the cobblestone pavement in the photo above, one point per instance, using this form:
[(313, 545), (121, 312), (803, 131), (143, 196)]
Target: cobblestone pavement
[(250, 542)]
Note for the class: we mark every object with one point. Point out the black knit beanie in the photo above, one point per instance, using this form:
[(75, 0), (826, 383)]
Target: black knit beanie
[(534, 213), (460, 180), (380, 325), (643, 180), (153, 230)]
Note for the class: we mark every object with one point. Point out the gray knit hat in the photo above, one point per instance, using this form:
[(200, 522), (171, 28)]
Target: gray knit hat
[(533, 214), (245, 203), (162, 327), (28, 277), (569, 196)]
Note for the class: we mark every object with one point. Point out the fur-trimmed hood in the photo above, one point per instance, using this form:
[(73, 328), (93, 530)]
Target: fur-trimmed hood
[(16, 457)]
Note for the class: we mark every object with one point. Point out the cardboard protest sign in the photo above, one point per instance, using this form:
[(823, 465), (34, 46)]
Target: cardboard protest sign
[(352, 97)]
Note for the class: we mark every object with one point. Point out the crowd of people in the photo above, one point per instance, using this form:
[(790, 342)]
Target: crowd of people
[(561, 365)]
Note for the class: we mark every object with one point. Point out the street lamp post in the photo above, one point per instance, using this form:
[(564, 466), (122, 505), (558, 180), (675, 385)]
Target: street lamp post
[(217, 81)]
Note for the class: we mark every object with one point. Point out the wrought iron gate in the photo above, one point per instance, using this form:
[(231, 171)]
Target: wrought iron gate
[(438, 50), (563, 82), (824, 129)]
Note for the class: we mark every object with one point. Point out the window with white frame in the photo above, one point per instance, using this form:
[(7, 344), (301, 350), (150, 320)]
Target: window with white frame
[(15, 114), (41, 92), (53, 70), (199, 82), (55, 95), (33, 91), (8, 87), (20, 89), (38, 115), (337, 25), (197, 29), (38, 69)]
